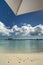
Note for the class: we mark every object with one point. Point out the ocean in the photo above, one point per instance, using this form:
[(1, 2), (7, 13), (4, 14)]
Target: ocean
[(21, 46)]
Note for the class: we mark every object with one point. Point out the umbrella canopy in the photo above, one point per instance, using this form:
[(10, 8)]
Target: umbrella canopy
[(25, 6)]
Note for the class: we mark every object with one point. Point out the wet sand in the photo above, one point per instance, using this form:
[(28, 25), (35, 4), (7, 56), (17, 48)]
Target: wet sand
[(21, 59)]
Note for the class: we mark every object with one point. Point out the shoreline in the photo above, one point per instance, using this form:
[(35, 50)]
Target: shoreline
[(23, 39)]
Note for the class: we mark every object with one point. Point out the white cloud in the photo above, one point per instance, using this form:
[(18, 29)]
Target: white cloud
[(4, 30), (25, 30), (37, 30)]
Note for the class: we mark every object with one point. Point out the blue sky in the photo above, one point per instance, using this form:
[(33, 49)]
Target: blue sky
[(8, 18)]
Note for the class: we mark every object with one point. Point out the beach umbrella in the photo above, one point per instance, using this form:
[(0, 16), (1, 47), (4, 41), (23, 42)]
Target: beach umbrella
[(25, 6)]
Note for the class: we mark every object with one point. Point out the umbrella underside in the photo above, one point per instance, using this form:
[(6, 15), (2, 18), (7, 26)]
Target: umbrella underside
[(25, 6)]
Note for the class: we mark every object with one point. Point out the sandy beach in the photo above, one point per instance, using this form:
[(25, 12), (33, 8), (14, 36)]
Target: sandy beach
[(21, 59)]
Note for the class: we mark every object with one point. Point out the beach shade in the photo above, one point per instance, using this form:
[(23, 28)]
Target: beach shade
[(25, 6)]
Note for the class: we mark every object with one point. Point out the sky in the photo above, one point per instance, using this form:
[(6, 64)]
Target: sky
[(26, 25)]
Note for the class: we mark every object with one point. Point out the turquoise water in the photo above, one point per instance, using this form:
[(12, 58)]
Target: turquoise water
[(24, 46)]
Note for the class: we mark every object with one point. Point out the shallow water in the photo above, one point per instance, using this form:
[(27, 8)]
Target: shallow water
[(22, 46)]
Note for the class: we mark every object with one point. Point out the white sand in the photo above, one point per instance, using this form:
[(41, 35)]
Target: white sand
[(21, 59)]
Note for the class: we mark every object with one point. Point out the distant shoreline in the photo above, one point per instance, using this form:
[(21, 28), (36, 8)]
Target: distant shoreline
[(21, 39)]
